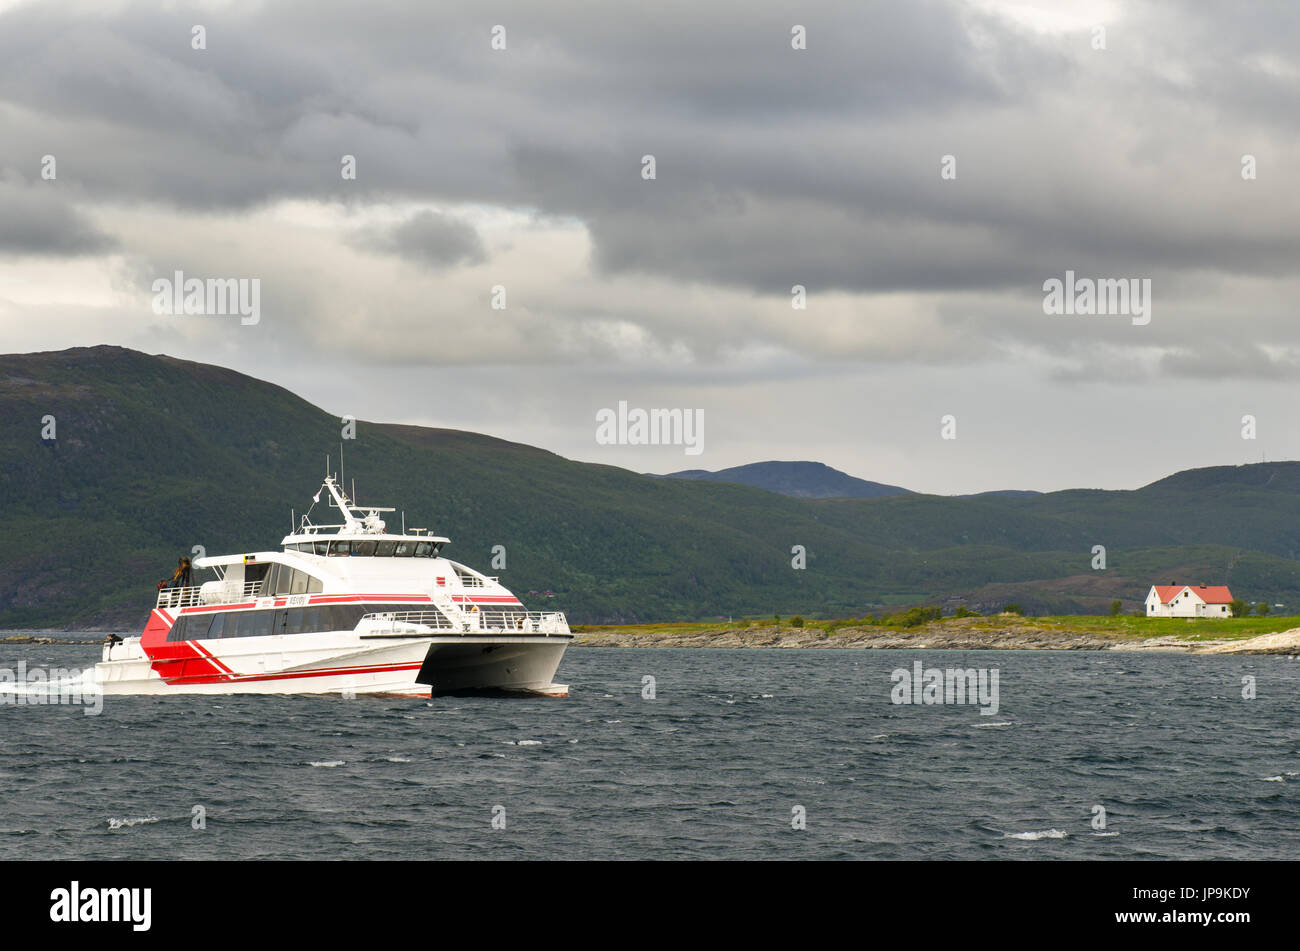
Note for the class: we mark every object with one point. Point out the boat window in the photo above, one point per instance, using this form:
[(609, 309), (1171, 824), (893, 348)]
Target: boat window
[(193, 627), (299, 583), (262, 623), (385, 549), (313, 585), (256, 624), (344, 617), (404, 550), (364, 548), (268, 584), (321, 547), (340, 548), (255, 572), (422, 549)]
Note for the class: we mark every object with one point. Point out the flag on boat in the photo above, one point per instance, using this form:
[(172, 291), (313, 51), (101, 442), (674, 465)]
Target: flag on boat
[(316, 497)]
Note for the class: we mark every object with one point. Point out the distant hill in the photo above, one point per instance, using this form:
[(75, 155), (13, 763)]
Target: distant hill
[(1003, 494), (800, 480), (155, 455), (1273, 477)]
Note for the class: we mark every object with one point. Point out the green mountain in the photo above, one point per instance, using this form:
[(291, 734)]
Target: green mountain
[(154, 455)]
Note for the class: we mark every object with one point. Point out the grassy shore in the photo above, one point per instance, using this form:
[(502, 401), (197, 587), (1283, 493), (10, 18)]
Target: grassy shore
[(1003, 631)]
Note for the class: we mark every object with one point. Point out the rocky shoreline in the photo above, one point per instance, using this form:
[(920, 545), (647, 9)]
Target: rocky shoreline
[(939, 636), (41, 639)]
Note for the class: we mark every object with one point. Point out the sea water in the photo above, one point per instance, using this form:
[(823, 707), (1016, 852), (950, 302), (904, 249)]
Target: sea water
[(680, 753)]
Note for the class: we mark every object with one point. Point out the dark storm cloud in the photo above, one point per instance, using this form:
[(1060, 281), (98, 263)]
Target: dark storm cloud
[(279, 95), (775, 166), (427, 237), (35, 220)]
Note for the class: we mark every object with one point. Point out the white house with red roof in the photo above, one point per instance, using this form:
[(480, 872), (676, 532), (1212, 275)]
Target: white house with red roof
[(1188, 600)]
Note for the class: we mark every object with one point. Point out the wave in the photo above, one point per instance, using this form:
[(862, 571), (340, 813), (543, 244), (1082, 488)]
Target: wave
[(327, 762), (127, 823), (82, 683), (1035, 836)]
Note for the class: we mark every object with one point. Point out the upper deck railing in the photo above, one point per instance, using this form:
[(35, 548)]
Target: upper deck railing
[(190, 596), (475, 581), (491, 621)]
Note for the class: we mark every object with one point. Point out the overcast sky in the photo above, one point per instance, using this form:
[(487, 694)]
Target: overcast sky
[(1102, 138)]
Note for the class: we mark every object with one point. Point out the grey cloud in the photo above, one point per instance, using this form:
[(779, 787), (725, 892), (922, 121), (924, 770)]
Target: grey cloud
[(427, 237), (1245, 360), (776, 166), (36, 220)]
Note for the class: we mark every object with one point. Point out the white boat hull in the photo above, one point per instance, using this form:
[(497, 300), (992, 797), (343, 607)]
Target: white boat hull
[(342, 663)]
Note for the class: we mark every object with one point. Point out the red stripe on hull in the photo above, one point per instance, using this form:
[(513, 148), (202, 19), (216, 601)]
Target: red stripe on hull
[(208, 676)]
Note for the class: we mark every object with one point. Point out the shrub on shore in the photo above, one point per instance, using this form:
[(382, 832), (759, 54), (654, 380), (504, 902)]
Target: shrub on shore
[(913, 617)]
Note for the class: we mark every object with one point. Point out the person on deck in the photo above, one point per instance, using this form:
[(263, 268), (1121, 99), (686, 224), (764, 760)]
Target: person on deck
[(179, 579)]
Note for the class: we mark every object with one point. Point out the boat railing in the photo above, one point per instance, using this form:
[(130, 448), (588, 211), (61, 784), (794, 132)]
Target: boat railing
[(219, 593), (474, 581), (490, 621)]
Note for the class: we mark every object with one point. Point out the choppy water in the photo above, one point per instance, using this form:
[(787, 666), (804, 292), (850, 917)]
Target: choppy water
[(714, 767)]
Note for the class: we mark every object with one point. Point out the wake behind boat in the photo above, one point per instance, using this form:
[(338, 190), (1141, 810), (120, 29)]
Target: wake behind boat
[(345, 608)]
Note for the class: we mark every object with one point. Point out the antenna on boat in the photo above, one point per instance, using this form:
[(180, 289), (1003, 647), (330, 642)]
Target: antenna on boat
[(354, 492), (342, 477)]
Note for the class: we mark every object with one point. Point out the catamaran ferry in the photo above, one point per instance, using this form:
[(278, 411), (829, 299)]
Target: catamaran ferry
[(348, 608)]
